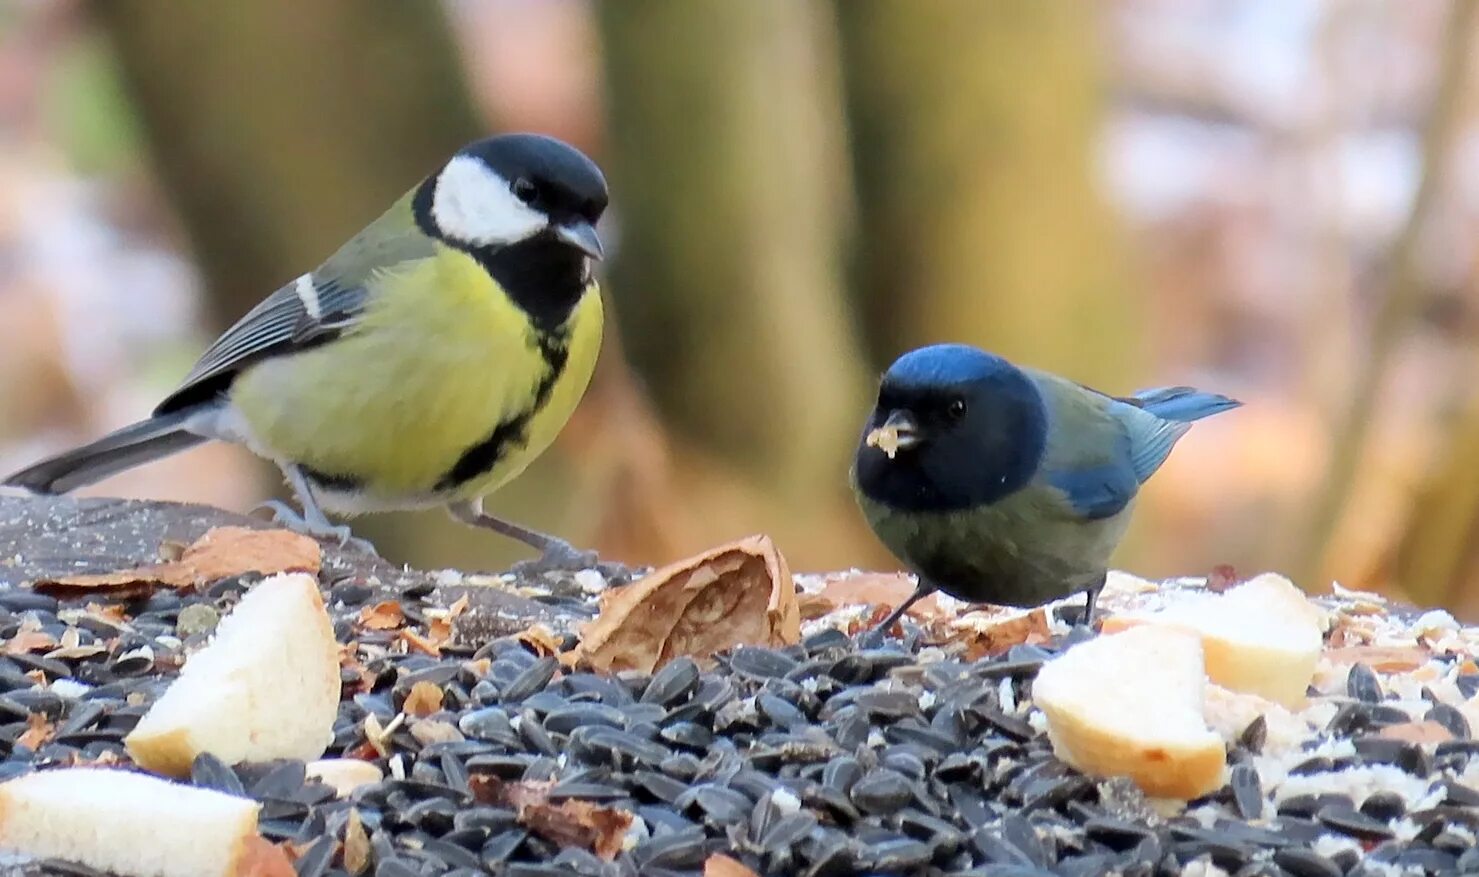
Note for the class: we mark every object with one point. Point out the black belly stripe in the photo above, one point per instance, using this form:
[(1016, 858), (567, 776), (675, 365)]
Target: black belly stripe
[(480, 459), (330, 481)]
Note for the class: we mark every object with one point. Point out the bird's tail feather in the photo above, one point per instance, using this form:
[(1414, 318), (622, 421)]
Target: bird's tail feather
[(1182, 404), (130, 446)]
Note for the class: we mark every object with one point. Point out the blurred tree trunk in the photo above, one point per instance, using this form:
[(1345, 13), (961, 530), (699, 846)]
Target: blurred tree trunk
[(974, 131), (277, 130), (728, 167), (1437, 556)]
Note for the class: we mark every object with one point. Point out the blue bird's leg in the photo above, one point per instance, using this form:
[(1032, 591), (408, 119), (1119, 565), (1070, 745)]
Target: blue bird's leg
[(1091, 597), (922, 590), (555, 553), (311, 521)]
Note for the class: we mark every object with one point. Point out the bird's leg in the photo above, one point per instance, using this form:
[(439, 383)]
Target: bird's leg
[(555, 553), (922, 590), (1091, 597), (311, 521)]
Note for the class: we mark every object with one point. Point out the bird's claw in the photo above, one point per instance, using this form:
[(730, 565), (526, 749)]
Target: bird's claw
[(558, 556), (294, 520)]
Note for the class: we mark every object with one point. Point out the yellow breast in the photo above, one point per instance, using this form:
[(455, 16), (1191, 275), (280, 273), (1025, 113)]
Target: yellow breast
[(439, 362)]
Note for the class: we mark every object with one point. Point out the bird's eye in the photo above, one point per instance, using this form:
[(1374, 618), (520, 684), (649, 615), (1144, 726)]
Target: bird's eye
[(525, 191), (957, 408)]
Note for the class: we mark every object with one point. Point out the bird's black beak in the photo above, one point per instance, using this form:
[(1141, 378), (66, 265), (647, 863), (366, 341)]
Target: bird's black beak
[(582, 236), (899, 432)]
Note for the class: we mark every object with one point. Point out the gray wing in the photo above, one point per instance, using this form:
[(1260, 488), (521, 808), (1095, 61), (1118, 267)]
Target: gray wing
[(316, 308)]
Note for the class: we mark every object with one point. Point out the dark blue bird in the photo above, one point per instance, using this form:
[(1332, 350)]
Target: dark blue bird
[(1008, 485)]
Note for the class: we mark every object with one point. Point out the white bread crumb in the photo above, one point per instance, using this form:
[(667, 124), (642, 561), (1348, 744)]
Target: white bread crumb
[(1130, 705), (126, 822), (1262, 637), (266, 687)]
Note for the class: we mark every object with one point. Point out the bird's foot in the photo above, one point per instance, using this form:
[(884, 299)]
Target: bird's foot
[(298, 522), (558, 556)]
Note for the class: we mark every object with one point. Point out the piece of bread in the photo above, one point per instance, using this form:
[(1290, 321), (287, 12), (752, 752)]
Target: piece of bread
[(1262, 637), (266, 687), (1130, 705), (127, 823)]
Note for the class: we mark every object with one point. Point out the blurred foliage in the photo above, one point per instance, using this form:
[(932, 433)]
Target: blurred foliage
[(92, 112)]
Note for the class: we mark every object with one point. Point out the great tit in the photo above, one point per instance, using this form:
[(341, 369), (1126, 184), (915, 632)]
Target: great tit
[(426, 363), (1009, 485)]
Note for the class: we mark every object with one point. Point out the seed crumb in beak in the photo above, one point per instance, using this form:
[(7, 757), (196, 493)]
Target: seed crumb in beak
[(885, 438)]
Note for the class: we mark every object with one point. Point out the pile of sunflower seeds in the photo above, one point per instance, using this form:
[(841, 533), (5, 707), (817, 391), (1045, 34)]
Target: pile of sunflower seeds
[(830, 757)]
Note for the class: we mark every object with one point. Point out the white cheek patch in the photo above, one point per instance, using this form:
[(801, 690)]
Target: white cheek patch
[(474, 205)]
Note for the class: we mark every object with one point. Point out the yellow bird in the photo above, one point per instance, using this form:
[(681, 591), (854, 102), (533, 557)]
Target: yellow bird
[(426, 363)]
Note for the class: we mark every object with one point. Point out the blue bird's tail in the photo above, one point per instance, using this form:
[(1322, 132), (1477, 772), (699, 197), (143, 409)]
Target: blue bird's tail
[(1181, 404)]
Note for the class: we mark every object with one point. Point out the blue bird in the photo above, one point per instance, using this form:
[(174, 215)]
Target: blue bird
[(1008, 485)]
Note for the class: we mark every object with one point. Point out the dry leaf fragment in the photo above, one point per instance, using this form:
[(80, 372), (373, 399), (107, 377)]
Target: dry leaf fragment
[(415, 642), (26, 641), (993, 633), (38, 731), (423, 699), (113, 612), (720, 865), (385, 615), (871, 588), (540, 639), (262, 858), (740, 593), (1417, 732), (568, 823), (1222, 578), (1383, 659), (356, 845), (221, 553)]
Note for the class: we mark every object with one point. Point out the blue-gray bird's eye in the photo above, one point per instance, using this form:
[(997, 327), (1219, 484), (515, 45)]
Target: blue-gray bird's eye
[(525, 191), (957, 408)]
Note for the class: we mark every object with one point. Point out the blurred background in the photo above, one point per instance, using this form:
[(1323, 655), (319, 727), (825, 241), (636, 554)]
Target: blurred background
[(1275, 199)]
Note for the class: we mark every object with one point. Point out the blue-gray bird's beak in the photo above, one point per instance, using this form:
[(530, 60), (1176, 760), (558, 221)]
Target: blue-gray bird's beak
[(582, 236), (899, 432)]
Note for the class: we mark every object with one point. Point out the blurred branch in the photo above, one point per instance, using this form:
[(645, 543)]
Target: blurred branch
[(1403, 293)]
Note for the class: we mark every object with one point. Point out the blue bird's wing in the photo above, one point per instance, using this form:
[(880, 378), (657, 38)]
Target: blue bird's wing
[(1156, 418), (1089, 458), (1101, 448), (1096, 492)]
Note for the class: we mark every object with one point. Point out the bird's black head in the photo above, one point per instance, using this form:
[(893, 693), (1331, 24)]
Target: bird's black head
[(526, 207), (954, 427)]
